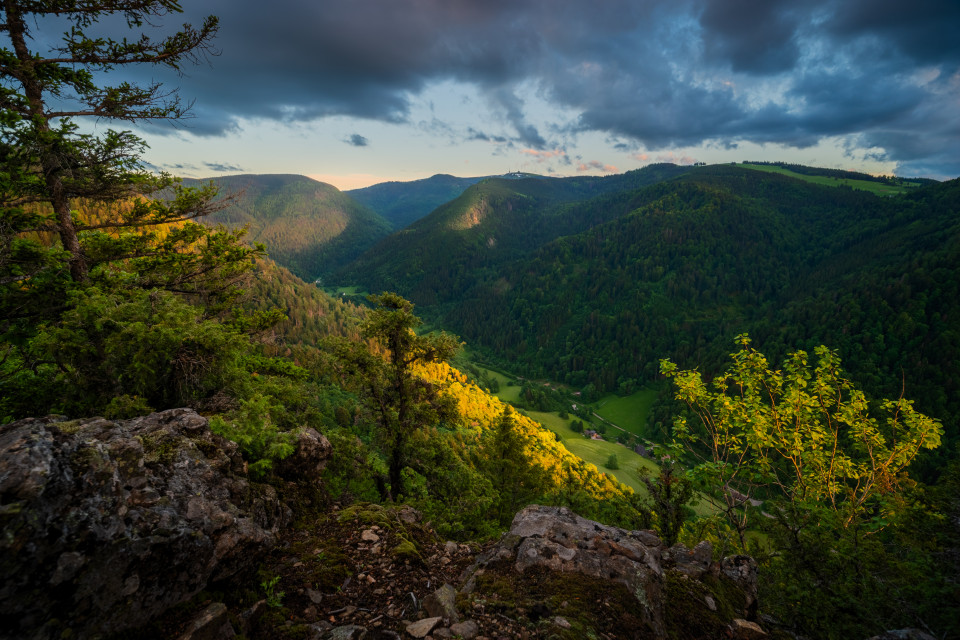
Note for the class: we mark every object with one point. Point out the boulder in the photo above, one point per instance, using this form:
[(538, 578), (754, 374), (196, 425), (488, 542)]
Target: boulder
[(309, 459), (213, 623), (666, 589), (422, 628), (108, 524), (442, 603)]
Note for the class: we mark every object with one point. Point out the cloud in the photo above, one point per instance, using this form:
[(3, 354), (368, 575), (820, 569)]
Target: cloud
[(595, 165), (544, 155), (223, 167), (474, 134), (753, 36), (654, 74), (675, 159), (357, 140)]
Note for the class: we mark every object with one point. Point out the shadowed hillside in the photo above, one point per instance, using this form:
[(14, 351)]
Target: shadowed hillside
[(402, 203), (307, 226)]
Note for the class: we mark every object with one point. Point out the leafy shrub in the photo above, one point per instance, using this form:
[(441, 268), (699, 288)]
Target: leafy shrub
[(108, 349), (253, 429)]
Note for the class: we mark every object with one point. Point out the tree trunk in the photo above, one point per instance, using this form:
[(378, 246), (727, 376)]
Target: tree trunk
[(68, 233), (48, 154)]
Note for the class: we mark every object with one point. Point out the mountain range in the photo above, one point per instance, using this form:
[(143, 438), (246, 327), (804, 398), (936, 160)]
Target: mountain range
[(589, 281)]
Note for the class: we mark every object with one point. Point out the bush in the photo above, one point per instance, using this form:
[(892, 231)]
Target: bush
[(119, 353), (253, 429)]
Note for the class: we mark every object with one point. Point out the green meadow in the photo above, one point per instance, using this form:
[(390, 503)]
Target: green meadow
[(628, 412), (879, 188), (506, 393), (597, 452)]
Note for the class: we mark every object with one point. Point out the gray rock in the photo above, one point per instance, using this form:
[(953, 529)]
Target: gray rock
[(560, 540), (693, 563), (442, 603), (741, 629), (467, 629), (743, 571), (308, 459), (422, 628), (348, 632), (557, 539), (108, 524), (409, 515), (318, 630)]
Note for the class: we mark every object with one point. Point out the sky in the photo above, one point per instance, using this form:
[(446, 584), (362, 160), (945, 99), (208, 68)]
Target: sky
[(355, 92)]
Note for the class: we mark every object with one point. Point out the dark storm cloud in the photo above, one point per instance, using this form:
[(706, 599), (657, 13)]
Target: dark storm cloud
[(755, 36), (925, 31), (659, 73), (357, 140)]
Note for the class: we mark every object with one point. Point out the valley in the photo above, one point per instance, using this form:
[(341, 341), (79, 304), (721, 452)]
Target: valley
[(632, 411)]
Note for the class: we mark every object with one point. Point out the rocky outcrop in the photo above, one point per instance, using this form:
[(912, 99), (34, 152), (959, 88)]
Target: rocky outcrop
[(664, 592), (107, 524), (308, 460)]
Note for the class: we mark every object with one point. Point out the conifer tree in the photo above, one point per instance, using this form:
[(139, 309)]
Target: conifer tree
[(46, 162), (401, 400)]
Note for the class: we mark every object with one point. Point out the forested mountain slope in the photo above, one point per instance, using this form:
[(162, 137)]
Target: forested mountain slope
[(312, 315), (402, 203), (678, 268), (310, 227), (492, 223)]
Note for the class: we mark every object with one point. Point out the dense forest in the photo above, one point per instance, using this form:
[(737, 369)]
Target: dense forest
[(310, 227)]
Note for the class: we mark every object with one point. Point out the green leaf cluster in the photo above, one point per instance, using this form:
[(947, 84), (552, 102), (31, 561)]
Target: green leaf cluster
[(801, 457), (145, 344), (253, 428)]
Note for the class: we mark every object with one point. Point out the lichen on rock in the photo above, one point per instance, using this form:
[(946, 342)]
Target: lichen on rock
[(568, 566), (107, 524)]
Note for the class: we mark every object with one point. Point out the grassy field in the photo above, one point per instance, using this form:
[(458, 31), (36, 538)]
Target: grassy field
[(878, 188), (507, 394), (597, 452), (347, 291), (630, 412)]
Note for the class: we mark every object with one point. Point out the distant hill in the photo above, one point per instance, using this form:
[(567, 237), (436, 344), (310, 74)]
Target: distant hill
[(312, 315), (493, 222), (402, 203), (310, 227)]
